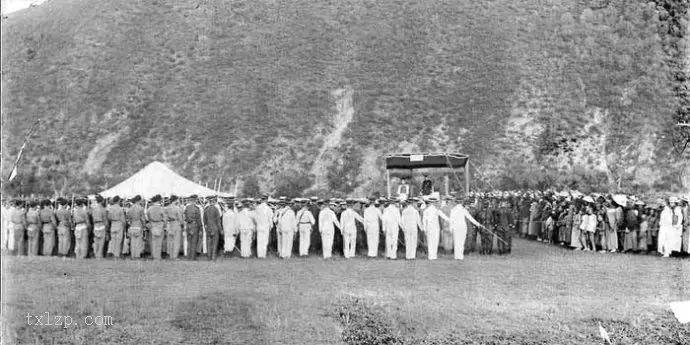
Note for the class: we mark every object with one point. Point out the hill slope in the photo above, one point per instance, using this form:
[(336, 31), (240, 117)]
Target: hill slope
[(533, 91)]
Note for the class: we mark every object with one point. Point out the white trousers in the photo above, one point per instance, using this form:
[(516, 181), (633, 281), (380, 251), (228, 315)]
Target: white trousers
[(286, 248), (392, 243), (459, 236), (304, 239), (261, 242), (349, 244), (246, 243), (410, 243), (327, 243), (432, 243), (372, 241)]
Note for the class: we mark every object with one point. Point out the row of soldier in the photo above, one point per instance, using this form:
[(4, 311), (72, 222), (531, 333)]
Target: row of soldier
[(209, 225)]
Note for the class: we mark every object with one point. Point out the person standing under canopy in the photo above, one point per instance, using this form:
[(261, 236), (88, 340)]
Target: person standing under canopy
[(411, 223), (427, 185)]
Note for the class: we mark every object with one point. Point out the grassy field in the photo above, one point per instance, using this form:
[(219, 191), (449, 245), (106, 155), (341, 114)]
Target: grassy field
[(539, 294)]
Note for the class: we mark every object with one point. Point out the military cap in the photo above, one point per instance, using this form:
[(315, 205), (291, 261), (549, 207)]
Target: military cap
[(156, 198), (136, 198), (173, 198), (264, 196), (193, 197), (673, 200), (115, 200), (61, 201)]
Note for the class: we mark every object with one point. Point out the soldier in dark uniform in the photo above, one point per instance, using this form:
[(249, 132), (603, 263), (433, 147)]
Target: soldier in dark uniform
[(192, 218), (100, 226), (214, 227), (49, 224), (64, 221), (489, 216), (315, 207), (156, 216), (116, 219), (471, 239), (338, 236), (136, 221), (34, 229), (505, 222)]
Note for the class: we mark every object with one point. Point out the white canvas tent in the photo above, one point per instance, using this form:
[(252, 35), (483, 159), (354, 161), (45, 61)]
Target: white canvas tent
[(157, 178)]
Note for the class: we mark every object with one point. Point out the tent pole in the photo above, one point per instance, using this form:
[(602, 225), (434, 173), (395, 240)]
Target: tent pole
[(446, 184), (388, 182), (467, 177)]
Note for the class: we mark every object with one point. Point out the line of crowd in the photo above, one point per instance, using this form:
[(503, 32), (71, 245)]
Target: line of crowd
[(606, 223), (196, 225)]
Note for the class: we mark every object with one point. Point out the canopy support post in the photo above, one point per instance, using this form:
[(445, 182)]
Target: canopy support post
[(467, 177), (446, 184), (388, 182)]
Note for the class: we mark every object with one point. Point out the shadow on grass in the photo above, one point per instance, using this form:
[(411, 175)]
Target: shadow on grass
[(218, 319)]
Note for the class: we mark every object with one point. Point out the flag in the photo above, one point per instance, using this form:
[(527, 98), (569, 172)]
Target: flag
[(13, 173)]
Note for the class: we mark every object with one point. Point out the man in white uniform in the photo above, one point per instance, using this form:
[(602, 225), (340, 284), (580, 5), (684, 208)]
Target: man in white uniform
[(391, 225), (263, 215), (327, 221), (372, 217), (348, 220), (458, 228), (432, 227), (246, 224), (305, 221), (230, 229), (411, 223), (286, 225)]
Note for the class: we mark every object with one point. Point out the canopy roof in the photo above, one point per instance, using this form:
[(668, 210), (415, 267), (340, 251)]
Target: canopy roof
[(157, 178), (426, 160)]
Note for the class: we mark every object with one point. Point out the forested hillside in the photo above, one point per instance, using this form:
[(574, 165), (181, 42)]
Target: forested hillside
[(308, 95)]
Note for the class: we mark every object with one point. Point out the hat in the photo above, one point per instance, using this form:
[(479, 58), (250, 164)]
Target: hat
[(673, 200), (115, 200), (173, 198), (588, 199), (620, 199), (61, 201), (193, 197), (313, 198), (156, 198)]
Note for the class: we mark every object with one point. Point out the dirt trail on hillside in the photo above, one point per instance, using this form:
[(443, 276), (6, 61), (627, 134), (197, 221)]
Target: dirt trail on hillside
[(340, 120)]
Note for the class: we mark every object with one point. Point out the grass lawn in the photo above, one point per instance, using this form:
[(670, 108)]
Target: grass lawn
[(539, 294)]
